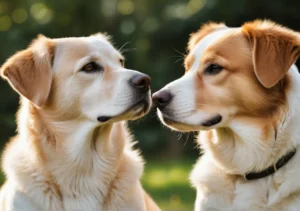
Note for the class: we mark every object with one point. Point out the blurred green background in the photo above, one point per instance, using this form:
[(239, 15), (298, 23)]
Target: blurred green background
[(155, 33)]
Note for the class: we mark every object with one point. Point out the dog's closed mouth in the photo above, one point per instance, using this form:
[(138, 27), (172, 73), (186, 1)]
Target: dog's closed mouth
[(144, 103), (140, 106), (213, 121), (168, 120)]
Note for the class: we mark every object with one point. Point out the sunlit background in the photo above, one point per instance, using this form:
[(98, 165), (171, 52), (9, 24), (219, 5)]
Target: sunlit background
[(154, 34)]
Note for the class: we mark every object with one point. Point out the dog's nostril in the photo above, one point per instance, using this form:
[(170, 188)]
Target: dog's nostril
[(160, 101), (141, 82), (162, 98)]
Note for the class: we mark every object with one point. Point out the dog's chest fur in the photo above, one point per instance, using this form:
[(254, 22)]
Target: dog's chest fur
[(101, 177), (220, 192), (97, 190), (97, 176)]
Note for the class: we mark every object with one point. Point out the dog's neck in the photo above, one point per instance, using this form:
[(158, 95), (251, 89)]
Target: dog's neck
[(253, 144), (72, 137), (76, 152)]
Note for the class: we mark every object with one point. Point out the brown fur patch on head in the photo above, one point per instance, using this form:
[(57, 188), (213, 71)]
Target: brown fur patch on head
[(274, 49), (202, 32), (236, 87)]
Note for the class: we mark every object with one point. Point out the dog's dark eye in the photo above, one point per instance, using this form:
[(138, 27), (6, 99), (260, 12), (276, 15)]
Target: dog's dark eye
[(213, 69), (91, 67)]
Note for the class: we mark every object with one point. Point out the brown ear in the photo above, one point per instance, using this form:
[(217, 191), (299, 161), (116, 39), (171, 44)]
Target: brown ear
[(29, 71), (202, 32), (274, 50)]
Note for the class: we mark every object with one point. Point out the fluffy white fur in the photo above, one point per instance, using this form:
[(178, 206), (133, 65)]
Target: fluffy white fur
[(63, 159)]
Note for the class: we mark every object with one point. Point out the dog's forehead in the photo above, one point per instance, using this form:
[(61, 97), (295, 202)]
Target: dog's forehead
[(76, 48), (207, 41), (100, 43), (91, 43)]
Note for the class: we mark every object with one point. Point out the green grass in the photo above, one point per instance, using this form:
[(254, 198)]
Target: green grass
[(167, 183)]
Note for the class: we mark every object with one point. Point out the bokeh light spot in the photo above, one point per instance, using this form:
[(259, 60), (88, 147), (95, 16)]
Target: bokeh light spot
[(126, 7), (183, 11), (142, 44), (19, 15), (127, 27), (194, 6), (5, 23), (3, 7), (41, 13), (177, 10), (151, 24)]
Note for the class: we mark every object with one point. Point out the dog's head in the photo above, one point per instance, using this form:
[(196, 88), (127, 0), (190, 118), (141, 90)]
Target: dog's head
[(230, 73), (82, 77)]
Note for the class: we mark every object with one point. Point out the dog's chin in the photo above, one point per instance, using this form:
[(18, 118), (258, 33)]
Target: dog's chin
[(138, 110), (132, 112), (184, 126), (177, 125)]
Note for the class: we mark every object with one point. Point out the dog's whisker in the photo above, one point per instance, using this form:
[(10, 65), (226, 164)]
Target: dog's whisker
[(120, 49), (181, 59), (182, 54), (128, 50)]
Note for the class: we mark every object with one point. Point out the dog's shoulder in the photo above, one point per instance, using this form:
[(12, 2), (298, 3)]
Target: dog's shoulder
[(206, 173), (10, 152), (212, 185), (13, 199)]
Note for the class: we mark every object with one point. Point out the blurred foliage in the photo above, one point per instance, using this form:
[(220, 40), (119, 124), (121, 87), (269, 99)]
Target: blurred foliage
[(167, 182), (154, 34)]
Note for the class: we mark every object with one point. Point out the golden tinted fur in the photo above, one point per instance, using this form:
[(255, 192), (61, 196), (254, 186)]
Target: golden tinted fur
[(271, 42), (36, 85), (241, 91), (67, 156)]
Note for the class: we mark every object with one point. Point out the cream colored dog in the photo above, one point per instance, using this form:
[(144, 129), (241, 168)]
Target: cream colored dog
[(73, 151), (242, 91)]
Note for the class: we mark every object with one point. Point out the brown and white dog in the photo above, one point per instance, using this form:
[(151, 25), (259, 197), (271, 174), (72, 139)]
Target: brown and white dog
[(242, 91), (73, 151)]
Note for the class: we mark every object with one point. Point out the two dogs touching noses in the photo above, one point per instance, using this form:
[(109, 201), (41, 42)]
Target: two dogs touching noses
[(73, 151)]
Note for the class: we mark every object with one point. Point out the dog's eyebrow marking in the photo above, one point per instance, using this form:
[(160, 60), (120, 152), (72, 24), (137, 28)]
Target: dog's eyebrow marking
[(205, 43)]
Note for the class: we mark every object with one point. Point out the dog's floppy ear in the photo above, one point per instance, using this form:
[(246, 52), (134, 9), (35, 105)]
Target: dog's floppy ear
[(274, 50), (29, 71)]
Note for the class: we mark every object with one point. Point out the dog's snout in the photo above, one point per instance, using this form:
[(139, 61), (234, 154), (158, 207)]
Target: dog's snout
[(141, 81), (161, 98)]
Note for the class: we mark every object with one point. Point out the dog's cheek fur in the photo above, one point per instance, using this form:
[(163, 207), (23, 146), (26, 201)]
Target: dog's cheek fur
[(67, 85)]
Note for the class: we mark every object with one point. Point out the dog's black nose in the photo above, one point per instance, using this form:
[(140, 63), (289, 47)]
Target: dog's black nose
[(141, 81), (161, 98)]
